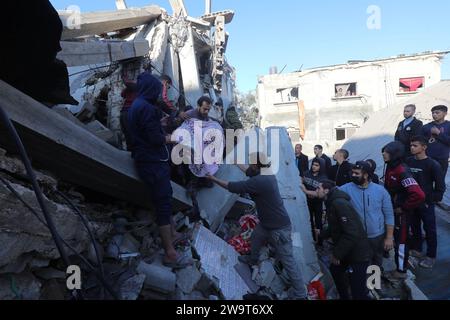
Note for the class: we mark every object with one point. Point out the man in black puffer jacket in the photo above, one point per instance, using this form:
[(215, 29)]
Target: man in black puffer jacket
[(351, 251)]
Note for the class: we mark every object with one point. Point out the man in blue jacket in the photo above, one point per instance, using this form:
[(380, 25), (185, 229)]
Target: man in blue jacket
[(374, 206), (151, 155)]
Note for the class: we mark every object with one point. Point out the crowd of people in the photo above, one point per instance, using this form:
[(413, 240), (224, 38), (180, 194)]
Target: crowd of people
[(365, 216), (368, 216)]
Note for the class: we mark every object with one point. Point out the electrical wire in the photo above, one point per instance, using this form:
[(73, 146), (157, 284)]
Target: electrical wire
[(59, 241)]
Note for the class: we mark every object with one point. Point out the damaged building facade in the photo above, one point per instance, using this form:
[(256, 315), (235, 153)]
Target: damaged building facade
[(327, 105)]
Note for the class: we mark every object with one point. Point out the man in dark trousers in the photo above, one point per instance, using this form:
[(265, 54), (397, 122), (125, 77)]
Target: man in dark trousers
[(408, 128), (151, 155), (341, 172), (438, 135), (318, 151), (428, 174), (351, 250), (301, 160), (310, 184), (275, 224), (406, 196)]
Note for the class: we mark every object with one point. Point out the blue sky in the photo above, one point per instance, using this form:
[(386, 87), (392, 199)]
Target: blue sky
[(314, 33)]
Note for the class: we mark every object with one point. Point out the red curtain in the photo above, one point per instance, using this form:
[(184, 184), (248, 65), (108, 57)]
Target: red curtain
[(412, 83)]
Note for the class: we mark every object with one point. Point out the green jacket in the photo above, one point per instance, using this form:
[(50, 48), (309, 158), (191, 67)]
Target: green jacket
[(345, 228)]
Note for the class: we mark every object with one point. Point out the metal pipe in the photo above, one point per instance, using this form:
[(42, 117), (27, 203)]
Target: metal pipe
[(207, 6)]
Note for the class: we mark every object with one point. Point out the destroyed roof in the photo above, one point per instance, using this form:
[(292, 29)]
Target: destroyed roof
[(379, 130), (353, 64)]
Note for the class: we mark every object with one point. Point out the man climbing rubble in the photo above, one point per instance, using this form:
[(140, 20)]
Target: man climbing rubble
[(275, 224), (151, 155)]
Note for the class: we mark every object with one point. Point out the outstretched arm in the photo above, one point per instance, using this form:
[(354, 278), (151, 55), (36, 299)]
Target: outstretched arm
[(222, 183)]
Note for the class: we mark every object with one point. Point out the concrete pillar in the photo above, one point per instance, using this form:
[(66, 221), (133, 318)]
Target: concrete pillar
[(207, 6), (295, 203)]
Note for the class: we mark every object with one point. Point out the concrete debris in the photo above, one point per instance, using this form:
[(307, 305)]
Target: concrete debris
[(218, 260), (22, 233), (49, 274), (22, 286), (132, 287), (207, 285), (264, 274), (122, 244), (187, 279), (158, 277)]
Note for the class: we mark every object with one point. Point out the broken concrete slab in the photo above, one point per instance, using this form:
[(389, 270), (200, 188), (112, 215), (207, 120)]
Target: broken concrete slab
[(132, 287), (158, 277), (265, 273), (215, 203), (22, 286), (218, 260), (295, 202), (187, 279), (99, 166), (78, 24), (22, 234), (241, 207), (94, 52)]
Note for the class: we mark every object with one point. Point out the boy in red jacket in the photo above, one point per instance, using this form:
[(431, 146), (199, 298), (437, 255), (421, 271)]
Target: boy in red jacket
[(406, 196)]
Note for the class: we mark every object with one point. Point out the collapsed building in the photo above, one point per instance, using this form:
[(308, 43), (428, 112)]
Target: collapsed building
[(90, 185)]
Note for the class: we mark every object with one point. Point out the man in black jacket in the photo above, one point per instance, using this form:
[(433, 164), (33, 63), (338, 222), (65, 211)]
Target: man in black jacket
[(301, 160), (428, 174), (318, 151), (341, 173), (351, 251), (408, 128)]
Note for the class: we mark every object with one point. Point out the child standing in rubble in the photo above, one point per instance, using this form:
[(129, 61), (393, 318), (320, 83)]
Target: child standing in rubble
[(275, 224)]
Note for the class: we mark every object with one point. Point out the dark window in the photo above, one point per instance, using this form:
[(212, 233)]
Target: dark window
[(287, 95), (340, 134), (345, 90), (411, 84)]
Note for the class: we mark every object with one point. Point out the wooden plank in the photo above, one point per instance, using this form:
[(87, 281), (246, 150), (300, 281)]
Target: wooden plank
[(73, 153), (85, 53), (95, 23)]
